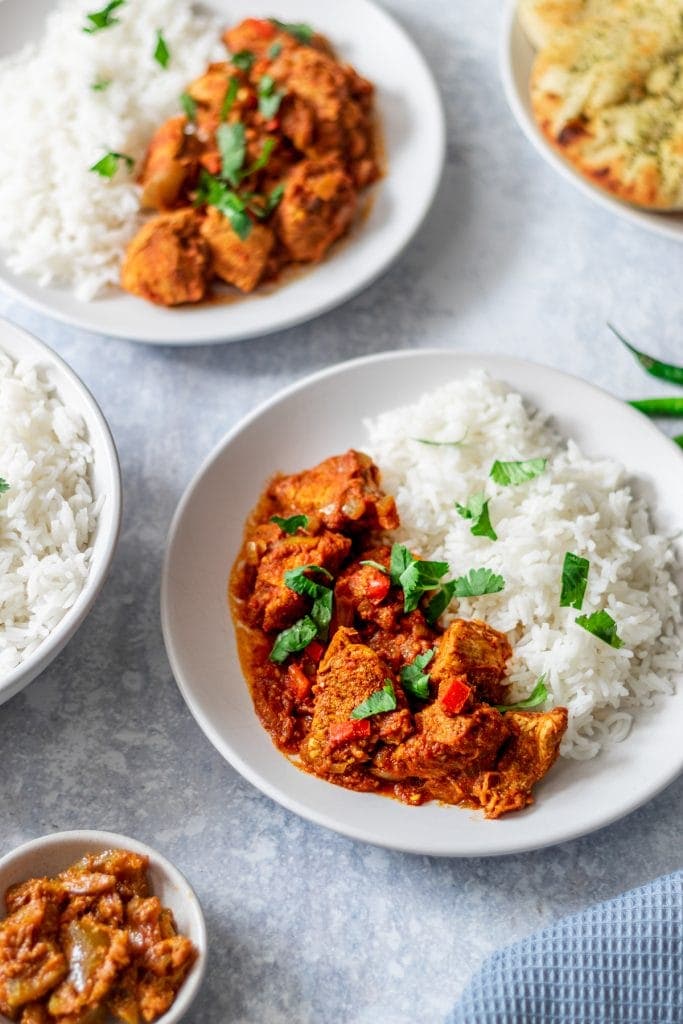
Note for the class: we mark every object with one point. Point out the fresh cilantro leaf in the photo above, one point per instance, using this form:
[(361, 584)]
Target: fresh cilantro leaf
[(275, 50), (380, 700), (401, 558), (511, 473), (189, 106), (419, 577), (477, 509), (376, 565), (601, 625), (216, 193), (574, 580), (243, 60), (291, 524), (101, 84), (229, 98), (302, 33), (440, 602), (413, 677), (269, 98), (232, 148), (300, 583), (162, 54), (294, 639), (273, 200), (4, 486), (103, 19), (262, 159), (109, 164), (478, 582), (538, 696)]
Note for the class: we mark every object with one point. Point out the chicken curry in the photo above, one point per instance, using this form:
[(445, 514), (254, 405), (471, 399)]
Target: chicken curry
[(262, 170), (89, 945), (349, 669)]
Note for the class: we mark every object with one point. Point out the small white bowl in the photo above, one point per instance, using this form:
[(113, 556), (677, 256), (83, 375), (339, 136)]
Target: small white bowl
[(51, 854), (105, 482)]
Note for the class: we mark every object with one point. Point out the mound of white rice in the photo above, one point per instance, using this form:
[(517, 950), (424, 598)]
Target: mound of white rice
[(47, 516), (577, 504), (60, 221)]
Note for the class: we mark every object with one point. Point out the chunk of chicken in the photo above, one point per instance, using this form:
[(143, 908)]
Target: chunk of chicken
[(343, 491), (348, 674), (238, 261), (272, 604), (168, 261), (528, 757), (170, 166), (446, 749), (317, 207), (258, 35), (473, 648)]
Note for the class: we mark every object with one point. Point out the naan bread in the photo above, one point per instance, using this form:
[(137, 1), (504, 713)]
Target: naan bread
[(542, 20), (608, 93)]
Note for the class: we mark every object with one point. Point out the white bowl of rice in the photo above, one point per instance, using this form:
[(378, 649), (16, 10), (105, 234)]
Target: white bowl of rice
[(60, 506)]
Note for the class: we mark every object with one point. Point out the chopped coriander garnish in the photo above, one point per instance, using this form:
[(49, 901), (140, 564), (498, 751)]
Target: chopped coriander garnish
[(109, 164), (601, 625), (101, 84), (162, 54), (511, 473), (294, 639), (216, 193), (300, 583), (574, 580), (274, 198), (665, 371), (377, 702), (413, 677), (414, 575), (4, 486), (233, 148), (229, 98), (478, 582), (302, 33), (477, 509), (262, 159), (243, 60), (275, 50), (265, 205), (291, 524), (189, 106), (269, 98), (440, 602), (538, 696), (439, 444), (103, 19)]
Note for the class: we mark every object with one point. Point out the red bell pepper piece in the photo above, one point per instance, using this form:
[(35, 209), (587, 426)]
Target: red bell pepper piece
[(344, 732), (455, 695), (315, 651), (260, 27), (298, 683), (377, 586)]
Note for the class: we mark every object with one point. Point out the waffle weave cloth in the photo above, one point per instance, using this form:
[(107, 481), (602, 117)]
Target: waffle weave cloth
[(618, 962)]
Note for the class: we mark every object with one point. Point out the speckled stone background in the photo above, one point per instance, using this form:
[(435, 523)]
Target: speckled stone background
[(306, 926)]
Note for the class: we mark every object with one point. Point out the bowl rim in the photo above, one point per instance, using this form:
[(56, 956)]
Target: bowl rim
[(115, 840), (26, 671)]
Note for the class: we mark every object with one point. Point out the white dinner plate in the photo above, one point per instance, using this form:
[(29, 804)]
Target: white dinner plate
[(322, 416), (516, 59), (413, 130)]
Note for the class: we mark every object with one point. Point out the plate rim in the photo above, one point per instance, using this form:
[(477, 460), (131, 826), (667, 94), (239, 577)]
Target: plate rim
[(86, 318), (253, 775), (648, 220)]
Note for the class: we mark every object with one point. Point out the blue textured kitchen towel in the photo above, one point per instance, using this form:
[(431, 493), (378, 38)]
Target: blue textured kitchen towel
[(619, 962)]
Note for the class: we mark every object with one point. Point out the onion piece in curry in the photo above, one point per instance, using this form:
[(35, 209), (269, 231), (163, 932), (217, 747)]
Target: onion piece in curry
[(331, 655)]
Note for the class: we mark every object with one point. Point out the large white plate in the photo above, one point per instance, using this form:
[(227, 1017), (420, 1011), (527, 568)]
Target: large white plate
[(319, 417), (414, 136), (516, 59)]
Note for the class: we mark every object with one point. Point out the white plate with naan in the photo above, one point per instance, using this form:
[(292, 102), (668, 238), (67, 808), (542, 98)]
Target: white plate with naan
[(516, 60)]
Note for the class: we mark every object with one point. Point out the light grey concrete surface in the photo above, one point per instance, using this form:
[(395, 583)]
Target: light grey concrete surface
[(306, 926)]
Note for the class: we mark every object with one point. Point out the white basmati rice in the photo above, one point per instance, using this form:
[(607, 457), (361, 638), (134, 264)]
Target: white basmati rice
[(578, 504), (47, 516), (59, 221)]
